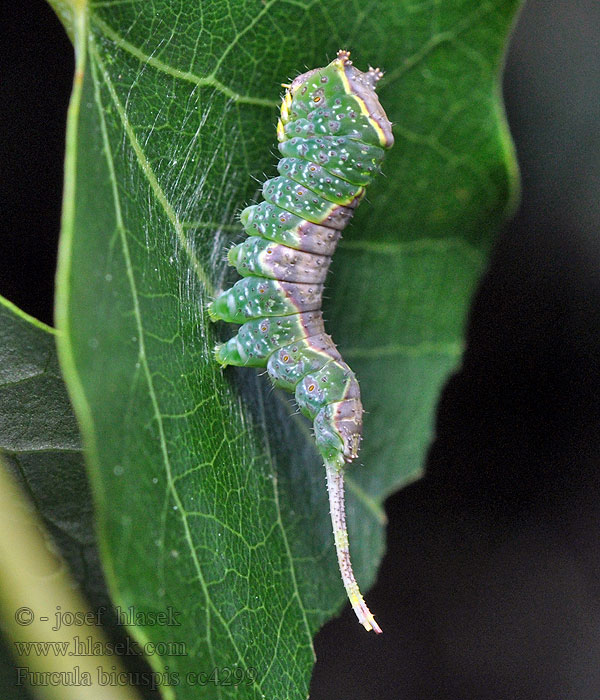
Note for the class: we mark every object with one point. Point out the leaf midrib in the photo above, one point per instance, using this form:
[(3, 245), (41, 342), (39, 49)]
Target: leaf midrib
[(161, 197), (141, 343)]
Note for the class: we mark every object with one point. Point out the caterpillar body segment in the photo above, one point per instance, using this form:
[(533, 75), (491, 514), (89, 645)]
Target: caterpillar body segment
[(332, 134), (281, 226)]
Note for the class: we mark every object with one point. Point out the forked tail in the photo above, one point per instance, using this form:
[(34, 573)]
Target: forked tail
[(335, 487)]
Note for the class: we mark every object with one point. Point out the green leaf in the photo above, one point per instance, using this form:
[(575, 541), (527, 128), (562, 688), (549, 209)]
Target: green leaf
[(211, 499), (40, 447), (39, 439)]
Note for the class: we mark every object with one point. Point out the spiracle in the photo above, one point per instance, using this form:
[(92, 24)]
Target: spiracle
[(332, 134)]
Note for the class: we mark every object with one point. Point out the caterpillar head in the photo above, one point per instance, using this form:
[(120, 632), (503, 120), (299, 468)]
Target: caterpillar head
[(321, 89)]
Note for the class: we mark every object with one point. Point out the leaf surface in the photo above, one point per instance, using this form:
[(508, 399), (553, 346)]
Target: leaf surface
[(211, 498), (39, 440)]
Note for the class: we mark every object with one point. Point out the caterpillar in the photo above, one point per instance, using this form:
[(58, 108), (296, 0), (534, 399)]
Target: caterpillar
[(332, 133)]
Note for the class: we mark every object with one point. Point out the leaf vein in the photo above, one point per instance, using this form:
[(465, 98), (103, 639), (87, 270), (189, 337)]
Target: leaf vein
[(207, 81), (152, 394)]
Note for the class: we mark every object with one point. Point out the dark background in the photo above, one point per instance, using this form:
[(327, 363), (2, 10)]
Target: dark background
[(491, 584)]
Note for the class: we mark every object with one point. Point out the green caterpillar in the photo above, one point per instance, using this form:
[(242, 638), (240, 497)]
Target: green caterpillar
[(332, 133)]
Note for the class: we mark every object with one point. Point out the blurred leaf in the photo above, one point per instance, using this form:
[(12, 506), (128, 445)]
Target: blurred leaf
[(40, 447), (39, 439), (210, 495)]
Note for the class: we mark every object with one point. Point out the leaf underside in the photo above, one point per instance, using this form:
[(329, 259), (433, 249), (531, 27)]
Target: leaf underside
[(209, 493), (40, 443)]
